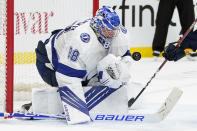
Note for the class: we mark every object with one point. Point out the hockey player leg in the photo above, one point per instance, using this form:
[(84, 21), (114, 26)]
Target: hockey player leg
[(74, 104)]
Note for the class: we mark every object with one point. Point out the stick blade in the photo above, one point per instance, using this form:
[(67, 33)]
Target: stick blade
[(169, 103), (130, 102)]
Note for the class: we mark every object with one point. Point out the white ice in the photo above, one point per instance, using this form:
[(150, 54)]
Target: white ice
[(181, 74)]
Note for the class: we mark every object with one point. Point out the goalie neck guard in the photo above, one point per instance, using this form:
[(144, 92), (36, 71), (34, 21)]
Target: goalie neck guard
[(105, 19)]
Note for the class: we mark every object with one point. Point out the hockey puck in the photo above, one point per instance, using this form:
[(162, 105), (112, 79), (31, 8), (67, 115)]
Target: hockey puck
[(136, 56)]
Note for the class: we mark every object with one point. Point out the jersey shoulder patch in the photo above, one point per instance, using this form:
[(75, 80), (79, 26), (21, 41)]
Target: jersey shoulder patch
[(85, 37)]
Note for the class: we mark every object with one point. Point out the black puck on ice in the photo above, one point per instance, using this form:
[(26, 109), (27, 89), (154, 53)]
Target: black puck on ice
[(136, 56)]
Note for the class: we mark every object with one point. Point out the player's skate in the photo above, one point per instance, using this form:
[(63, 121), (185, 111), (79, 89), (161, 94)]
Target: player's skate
[(156, 55), (26, 108), (192, 56)]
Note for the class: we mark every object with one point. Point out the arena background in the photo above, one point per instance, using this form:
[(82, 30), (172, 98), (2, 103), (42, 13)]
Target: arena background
[(34, 20)]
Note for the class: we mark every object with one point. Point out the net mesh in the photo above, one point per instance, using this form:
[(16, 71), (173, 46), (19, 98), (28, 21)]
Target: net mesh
[(25, 76), (2, 53)]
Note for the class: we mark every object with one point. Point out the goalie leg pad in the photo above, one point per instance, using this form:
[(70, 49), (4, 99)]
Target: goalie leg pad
[(56, 101), (74, 104), (46, 101), (99, 100), (105, 100)]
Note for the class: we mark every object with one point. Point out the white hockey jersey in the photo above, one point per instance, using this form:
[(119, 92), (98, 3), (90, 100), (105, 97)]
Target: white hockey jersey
[(78, 51)]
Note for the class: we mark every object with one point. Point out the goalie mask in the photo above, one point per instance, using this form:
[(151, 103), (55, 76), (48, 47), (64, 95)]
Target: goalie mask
[(106, 25)]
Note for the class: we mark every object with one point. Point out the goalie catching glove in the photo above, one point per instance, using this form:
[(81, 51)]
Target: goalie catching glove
[(112, 72)]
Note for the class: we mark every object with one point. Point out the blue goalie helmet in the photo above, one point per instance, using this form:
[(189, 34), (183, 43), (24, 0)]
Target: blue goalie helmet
[(105, 18)]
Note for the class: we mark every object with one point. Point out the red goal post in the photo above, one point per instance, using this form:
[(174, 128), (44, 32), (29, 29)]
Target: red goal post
[(7, 58), (95, 6)]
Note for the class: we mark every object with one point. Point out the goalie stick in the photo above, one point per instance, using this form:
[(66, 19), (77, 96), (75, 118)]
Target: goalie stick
[(30, 115), (158, 116), (132, 100)]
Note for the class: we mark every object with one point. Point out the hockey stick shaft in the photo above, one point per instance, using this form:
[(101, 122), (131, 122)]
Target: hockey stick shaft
[(132, 100), (95, 117), (29, 115)]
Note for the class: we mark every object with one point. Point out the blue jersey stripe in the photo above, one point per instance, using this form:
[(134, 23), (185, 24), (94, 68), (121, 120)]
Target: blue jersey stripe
[(71, 72)]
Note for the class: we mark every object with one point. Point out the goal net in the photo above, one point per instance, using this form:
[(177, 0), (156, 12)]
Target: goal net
[(6, 101), (22, 24)]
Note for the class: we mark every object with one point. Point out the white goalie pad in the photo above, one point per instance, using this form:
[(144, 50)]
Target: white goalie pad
[(106, 100), (46, 101), (74, 104)]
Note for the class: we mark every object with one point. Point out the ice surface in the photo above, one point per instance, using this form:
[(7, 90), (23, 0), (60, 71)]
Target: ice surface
[(181, 74)]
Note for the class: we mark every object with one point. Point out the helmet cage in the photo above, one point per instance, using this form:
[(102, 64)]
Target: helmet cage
[(105, 19)]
